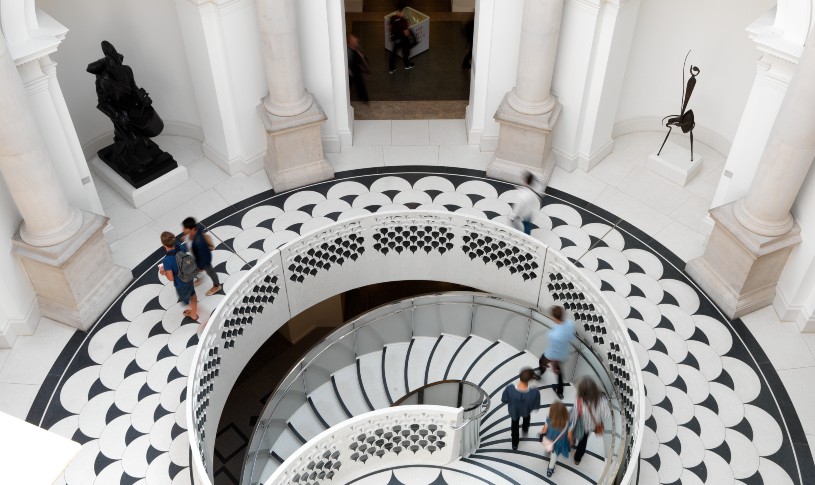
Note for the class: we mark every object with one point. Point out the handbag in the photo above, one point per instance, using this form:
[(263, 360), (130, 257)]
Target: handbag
[(549, 445), (579, 430)]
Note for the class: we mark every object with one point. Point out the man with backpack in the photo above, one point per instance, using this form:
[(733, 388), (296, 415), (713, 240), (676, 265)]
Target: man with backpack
[(179, 267), (201, 246)]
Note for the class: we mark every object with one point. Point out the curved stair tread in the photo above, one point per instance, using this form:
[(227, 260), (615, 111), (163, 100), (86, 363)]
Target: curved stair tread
[(326, 404), (370, 373), (528, 465), (446, 348), (394, 370), (305, 423), (418, 361), (494, 375), (465, 357), (286, 444), (349, 392)]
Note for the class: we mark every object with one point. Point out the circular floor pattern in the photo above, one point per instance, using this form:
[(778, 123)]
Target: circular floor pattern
[(713, 399)]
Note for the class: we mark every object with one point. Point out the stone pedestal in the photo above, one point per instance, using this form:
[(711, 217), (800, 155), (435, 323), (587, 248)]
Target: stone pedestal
[(740, 269), (524, 144), (75, 280), (294, 155), (144, 194), (674, 164)]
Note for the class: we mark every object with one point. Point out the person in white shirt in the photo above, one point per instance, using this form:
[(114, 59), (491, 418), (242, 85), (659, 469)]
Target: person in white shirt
[(528, 202), (588, 413)]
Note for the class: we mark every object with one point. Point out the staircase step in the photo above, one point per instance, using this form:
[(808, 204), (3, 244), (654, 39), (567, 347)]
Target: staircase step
[(447, 346), (306, 423), (418, 360), (347, 387), (465, 355), (370, 370), (326, 404), (394, 365)]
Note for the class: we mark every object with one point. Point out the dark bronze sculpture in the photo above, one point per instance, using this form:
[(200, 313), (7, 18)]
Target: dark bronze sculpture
[(132, 155), (684, 120)]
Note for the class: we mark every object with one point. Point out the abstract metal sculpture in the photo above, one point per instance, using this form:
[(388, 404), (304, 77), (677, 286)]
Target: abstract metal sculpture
[(132, 155), (684, 120)]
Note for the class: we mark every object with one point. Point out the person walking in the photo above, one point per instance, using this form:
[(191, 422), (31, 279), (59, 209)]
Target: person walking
[(589, 411), (357, 66), (559, 347), (528, 202), (201, 246), (521, 400), (179, 267), (401, 38), (552, 435)]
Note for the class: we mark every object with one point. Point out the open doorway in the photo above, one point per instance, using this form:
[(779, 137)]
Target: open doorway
[(438, 87)]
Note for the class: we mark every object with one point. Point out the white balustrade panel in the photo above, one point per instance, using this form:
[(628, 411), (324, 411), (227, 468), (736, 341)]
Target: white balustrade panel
[(409, 435)]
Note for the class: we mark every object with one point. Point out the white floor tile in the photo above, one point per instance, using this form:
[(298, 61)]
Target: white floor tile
[(612, 170), (783, 343), (132, 249), (125, 219), (448, 132), (186, 156), (410, 132), (799, 386), (356, 157), (4, 353), (34, 355), (199, 207), (16, 399), (173, 198), (411, 155), (577, 183), (682, 241), (635, 212), (206, 173), (107, 195), (372, 132), (692, 213), (241, 186), (653, 191), (464, 156)]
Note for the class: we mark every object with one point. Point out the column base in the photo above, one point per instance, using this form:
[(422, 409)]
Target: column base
[(740, 269), (76, 280), (294, 154), (524, 144)]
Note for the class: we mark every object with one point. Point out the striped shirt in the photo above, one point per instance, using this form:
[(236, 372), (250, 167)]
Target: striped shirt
[(592, 416)]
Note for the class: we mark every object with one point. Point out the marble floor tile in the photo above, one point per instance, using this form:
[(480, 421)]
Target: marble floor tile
[(46, 344), (200, 207), (692, 213), (612, 170), (241, 186), (578, 183), (411, 155), (448, 132), (173, 198), (410, 132), (132, 249), (4, 353), (16, 399), (464, 156), (682, 241), (206, 173), (124, 219), (641, 216), (356, 157), (107, 195), (186, 156), (783, 343), (798, 383), (368, 133), (653, 191)]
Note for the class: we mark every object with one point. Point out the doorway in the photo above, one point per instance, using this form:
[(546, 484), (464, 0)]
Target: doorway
[(438, 87)]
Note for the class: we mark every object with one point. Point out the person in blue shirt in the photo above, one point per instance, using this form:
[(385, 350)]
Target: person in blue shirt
[(521, 400), (559, 347), (202, 247), (169, 269)]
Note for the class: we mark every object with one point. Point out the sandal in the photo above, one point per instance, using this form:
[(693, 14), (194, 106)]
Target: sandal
[(549, 472), (213, 290), (188, 313)]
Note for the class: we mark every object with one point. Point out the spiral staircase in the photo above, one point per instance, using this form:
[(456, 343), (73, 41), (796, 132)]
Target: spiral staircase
[(376, 380)]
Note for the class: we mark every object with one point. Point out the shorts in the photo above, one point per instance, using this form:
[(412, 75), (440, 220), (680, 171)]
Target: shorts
[(185, 292)]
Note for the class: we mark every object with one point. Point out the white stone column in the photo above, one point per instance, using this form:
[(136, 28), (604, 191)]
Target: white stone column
[(540, 30), (753, 237), (281, 50), (62, 249), (786, 159), (48, 219), (292, 117), (528, 113)]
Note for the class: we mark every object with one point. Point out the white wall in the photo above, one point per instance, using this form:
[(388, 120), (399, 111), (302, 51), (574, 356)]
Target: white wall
[(17, 298), (146, 32), (714, 31)]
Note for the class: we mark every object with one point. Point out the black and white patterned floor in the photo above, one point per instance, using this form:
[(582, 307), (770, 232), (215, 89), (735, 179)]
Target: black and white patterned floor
[(717, 411)]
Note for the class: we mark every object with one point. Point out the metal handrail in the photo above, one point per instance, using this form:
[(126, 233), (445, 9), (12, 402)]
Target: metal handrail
[(615, 438)]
